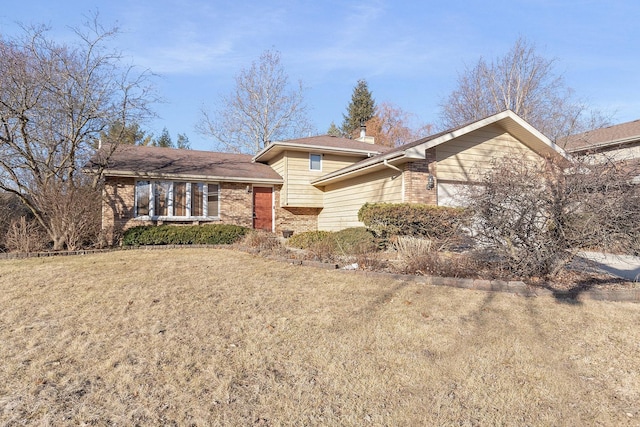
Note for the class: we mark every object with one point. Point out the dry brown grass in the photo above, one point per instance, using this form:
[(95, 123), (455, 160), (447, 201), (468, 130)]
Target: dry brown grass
[(215, 337)]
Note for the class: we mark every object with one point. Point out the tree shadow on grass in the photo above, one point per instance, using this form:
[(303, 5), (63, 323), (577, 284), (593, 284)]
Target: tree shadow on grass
[(570, 294)]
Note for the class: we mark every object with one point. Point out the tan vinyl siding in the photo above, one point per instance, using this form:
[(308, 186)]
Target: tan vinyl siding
[(343, 200), (468, 157), (279, 164), (298, 191), (618, 154)]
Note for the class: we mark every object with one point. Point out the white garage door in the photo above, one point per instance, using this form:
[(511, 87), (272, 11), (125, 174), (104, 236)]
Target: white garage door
[(451, 194)]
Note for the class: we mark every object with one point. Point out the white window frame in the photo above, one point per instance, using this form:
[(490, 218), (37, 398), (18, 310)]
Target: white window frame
[(311, 162), (137, 198), (170, 202), (206, 199)]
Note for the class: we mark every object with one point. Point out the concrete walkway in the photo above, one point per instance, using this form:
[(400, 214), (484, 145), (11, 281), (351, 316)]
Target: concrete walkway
[(624, 266)]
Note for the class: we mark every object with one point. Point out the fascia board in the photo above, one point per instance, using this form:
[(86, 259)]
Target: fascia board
[(186, 177)]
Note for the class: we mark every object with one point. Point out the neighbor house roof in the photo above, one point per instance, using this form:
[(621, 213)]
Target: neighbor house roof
[(507, 120), (320, 143), (157, 162), (604, 137)]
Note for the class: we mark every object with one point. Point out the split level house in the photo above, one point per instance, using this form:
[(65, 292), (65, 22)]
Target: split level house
[(314, 183)]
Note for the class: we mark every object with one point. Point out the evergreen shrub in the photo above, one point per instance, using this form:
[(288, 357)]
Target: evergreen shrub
[(208, 234)]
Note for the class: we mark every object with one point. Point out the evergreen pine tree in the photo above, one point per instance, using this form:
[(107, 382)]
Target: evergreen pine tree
[(164, 140), (361, 108), (334, 130)]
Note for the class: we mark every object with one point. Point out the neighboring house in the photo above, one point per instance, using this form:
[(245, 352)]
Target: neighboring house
[(618, 143), (315, 183)]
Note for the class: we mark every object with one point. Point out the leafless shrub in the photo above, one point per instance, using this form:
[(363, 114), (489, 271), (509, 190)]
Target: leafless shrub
[(72, 214), (11, 209), (372, 261), (262, 241), (535, 216), (410, 247), (25, 236), (423, 256), (323, 250), (443, 264)]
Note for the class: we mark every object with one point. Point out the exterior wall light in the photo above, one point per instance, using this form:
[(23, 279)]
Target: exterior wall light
[(431, 182)]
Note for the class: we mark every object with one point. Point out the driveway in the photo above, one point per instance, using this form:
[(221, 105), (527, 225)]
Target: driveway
[(624, 266)]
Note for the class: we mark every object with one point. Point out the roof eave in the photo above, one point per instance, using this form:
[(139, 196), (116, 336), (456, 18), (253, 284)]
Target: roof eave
[(309, 147), (358, 169), (605, 144), (159, 175)]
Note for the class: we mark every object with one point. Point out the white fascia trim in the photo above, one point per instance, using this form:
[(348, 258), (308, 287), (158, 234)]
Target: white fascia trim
[(307, 147), (416, 152), (198, 178), (370, 163)]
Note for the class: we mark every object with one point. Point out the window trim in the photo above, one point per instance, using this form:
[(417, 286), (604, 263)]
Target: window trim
[(311, 162)]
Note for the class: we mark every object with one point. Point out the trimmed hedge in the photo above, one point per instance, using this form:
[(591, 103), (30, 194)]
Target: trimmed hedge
[(305, 239), (407, 219), (208, 234), (350, 241)]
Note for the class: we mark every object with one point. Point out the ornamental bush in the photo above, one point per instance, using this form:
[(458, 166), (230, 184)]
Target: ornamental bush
[(437, 223), (305, 239), (350, 241), (208, 234)]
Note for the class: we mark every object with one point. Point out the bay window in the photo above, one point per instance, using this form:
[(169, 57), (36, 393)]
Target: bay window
[(169, 199)]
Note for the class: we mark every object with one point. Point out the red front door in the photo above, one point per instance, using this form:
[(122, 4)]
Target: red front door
[(262, 208)]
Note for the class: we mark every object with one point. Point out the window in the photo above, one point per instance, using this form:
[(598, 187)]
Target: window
[(176, 199), (180, 198), (315, 162), (212, 200), (142, 198), (197, 196), (161, 198)]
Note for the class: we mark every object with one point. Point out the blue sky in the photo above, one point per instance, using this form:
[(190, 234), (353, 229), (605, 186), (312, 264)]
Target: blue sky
[(410, 52)]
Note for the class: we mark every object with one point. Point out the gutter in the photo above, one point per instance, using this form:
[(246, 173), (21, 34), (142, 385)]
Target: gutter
[(387, 164), (310, 147), (365, 164)]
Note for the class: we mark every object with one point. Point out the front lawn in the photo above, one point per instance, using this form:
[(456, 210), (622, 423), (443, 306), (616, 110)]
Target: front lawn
[(199, 336)]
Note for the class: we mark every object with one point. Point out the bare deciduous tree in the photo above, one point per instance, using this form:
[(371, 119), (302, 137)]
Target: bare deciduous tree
[(522, 81), (537, 216), (391, 126), (261, 108), (55, 100)]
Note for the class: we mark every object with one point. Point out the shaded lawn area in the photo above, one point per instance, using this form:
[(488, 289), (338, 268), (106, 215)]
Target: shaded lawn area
[(217, 337)]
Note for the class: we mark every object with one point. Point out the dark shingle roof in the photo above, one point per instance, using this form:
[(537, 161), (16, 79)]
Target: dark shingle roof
[(337, 142), (320, 143), (142, 160), (598, 138)]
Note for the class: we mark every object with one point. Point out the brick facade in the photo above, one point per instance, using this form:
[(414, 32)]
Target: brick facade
[(117, 208), (236, 204), (416, 180), (236, 207), (297, 220)]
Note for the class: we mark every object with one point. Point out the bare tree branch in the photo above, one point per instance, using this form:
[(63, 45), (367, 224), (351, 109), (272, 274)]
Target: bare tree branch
[(55, 100), (260, 109), (524, 82)]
